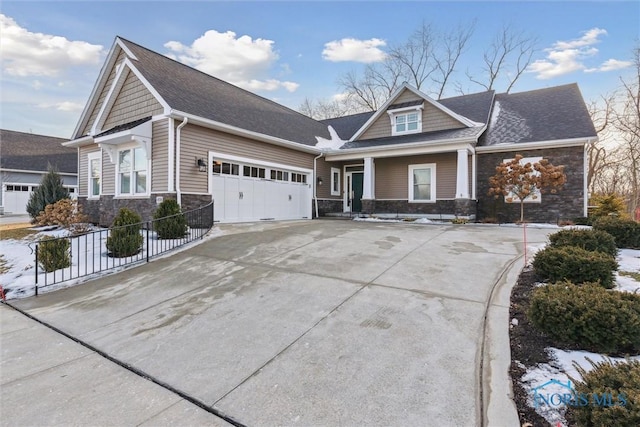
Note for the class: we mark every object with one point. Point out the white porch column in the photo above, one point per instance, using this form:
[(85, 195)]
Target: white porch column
[(369, 180), (462, 181)]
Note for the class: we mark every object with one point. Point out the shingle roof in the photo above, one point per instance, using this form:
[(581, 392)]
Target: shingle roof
[(29, 152), (539, 115), (191, 91), (347, 126), (441, 135), (123, 127)]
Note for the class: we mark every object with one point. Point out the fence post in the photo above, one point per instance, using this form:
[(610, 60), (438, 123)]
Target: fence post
[(148, 247), (36, 269)]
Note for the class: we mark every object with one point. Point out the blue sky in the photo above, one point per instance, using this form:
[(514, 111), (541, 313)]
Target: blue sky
[(51, 52)]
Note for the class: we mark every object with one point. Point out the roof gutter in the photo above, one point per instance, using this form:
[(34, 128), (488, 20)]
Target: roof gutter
[(212, 124), (79, 142), (178, 134), (536, 145)]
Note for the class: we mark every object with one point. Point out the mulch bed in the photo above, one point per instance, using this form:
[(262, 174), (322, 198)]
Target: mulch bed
[(527, 347)]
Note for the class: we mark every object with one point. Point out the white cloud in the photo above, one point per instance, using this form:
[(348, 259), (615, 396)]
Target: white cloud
[(610, 65), (349, 49), (35, 54), (242, 60), (565, 57), (63, 106)]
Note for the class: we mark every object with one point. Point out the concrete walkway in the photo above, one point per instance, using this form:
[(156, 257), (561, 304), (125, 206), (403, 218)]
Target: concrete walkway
[(298, 323)]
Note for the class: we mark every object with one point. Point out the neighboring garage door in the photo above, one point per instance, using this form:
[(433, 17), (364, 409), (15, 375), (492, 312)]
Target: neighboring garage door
[(254, 191), (16, 196)]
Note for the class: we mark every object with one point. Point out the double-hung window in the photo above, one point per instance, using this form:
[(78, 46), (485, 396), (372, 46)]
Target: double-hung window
[(132, 171), (422, 183), (406, 123), (95, 170)]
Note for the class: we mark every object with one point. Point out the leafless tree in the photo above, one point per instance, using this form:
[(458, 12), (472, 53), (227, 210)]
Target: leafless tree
[(454, 44), (506, 58), (327, 109), (598, 158)]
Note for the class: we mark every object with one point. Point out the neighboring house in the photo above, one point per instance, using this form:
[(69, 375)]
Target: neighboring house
[(154, 128), (24, 159)]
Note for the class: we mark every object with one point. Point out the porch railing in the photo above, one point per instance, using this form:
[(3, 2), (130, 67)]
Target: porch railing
[(89, 255)]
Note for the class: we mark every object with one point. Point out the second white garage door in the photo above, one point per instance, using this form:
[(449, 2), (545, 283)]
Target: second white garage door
[(248, 190)]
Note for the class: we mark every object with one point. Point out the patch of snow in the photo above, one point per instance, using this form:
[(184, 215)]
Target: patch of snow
[(332, 144), (424, 221), (559, 368), (628, 260), (377, 219), (494, 114)]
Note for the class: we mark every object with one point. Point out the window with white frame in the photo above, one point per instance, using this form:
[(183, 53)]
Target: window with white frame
[(95, 167), (406, 120), (422, 183), (335, 181), (132, 171)]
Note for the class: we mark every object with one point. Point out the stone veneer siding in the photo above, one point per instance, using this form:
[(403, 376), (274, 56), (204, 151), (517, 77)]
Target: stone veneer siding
[(457, 207), (327, 206), (103, 211), (566, 204)]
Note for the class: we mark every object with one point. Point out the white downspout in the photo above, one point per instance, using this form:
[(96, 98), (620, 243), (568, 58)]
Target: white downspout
[(178, 190), (315, 183)]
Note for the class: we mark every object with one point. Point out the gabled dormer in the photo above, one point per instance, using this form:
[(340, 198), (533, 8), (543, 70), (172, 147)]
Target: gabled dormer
[(409, 111)]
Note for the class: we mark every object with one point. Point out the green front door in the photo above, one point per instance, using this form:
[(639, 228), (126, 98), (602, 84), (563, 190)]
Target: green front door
[(356, 187)]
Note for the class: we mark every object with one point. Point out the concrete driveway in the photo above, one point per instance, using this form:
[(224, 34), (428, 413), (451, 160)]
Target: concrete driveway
[(316, 322)]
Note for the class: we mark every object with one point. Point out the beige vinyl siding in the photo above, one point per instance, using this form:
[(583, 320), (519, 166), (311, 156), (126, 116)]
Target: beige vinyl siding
[(196, 142), (392, 175), (83, 171), (433, 119), (133, 102), (324, 170), (103, 94), (108, 175), (160, 156)]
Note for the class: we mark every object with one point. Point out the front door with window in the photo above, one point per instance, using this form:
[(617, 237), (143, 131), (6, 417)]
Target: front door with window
[(353, 191)]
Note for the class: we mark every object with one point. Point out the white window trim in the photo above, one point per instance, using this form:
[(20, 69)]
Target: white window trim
[(133, 194), (405, 111), (431, 166), (335, 171), (90, 158), (537, 193)]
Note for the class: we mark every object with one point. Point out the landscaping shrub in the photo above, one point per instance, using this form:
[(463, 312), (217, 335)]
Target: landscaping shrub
[(49, 191), (589, 316), (173, 227), (626, 232), (622, 380), (53, 254), (124, 235), (606, 205), (582, 220), (591, 240), (575, 264), (65, 213)]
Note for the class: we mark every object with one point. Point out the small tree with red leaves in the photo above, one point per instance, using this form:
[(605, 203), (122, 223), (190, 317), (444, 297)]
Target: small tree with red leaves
[(519, 181)]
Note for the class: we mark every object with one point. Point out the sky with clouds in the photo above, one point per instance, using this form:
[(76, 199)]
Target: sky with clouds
[(51, 52)]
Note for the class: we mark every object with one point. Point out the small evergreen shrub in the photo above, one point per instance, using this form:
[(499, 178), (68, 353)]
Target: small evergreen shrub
[(606, 205), (169, 222), (626, 232), (622, 380), (588, 315), (582, 220), (49, 191), (53, 253), (576, 265), (124, 236), (591, 240), (65, 213)]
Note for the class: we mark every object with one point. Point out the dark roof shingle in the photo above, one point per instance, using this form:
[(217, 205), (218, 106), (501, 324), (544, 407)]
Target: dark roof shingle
[(30, 152)]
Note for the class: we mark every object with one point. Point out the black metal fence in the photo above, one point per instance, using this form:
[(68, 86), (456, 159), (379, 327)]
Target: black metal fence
[(71, 257)]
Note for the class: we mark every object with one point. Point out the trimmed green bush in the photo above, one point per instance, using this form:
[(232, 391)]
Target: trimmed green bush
[(169, 222), (53, 253), (576, 265), (582, 220), (588, 315), (626, 232), (590, 240), (622, 380), (124, 236)]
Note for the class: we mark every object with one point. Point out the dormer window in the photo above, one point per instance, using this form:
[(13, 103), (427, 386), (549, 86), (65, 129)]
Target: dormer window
[(405, 120)]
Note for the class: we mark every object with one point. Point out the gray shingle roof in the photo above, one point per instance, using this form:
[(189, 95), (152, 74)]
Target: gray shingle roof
[(347, 126), (440, 135), (539, 115), (191, 91), (123, 127), (29, 152)]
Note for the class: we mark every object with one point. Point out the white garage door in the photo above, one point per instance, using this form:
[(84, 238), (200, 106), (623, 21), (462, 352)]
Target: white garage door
[(244, 191), (15, 198)]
